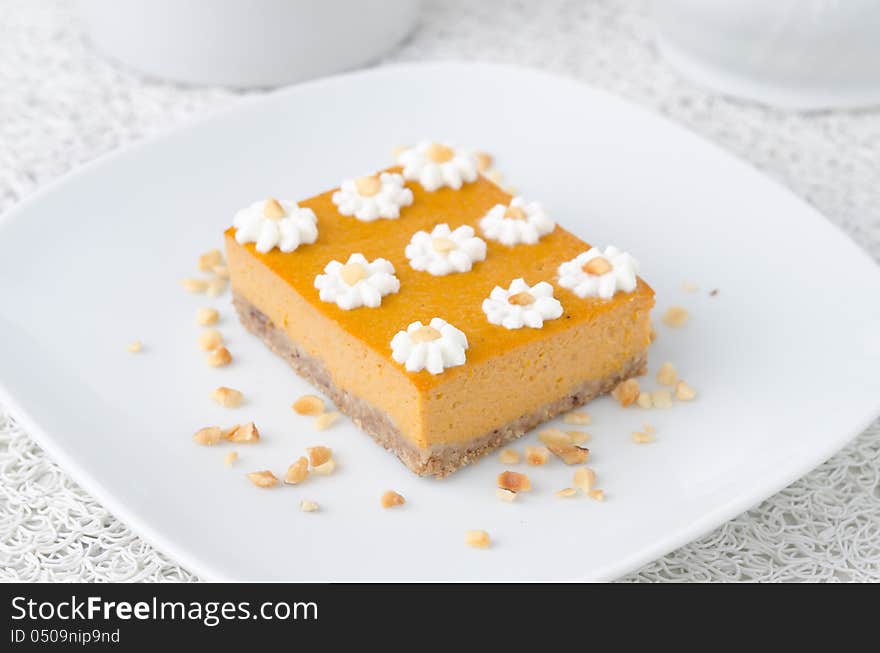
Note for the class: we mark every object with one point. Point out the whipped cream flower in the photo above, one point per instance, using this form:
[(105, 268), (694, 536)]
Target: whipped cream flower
[(599, 274), (522, 305), (275, 223), (435, 165), (372, 197), (444, 251), (518, 223), (357, 283), (433, 347)]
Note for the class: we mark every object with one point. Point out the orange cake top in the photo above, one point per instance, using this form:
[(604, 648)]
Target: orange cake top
[(458, 297)]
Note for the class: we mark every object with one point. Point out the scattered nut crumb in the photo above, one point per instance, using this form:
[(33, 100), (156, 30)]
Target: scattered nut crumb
[(598, 495), (505, 495), (642, 438), (514, 481), (326, 468), (134, 346), (584, 478), (194, 285), (309, 405), (555, 437), (626, 392), (579, 437), (319, 455), (230, 458), (227, 397), (220, 357), (208, 260), (210, 339), (244, 433), (647, 428), (326, 420), (221, 271), (570, 454), (308, 506), (578, 417), (216, 287), (477, 539), (207, 316), (537, 455), (566, 492), (644, 400), (684, 392), (675, 316), (661, 398), (666, 375), (484, 161), (688, 286), (391, 499), (509, 456), (297, 472), (713, 293), (264, 478), (208, 435)]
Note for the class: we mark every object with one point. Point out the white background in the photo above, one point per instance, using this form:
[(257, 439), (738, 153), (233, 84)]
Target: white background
[(61, 105)]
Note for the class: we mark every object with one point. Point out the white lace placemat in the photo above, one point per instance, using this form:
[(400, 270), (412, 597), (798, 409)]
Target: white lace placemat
[(61, 105)]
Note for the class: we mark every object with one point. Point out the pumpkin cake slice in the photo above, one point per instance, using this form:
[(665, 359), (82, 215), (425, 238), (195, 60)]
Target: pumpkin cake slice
[(442, 315)]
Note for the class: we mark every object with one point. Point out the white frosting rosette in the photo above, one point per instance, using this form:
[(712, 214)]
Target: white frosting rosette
[(372, 197), (435, 165), (275, 223), (518, 223), (444, 251), (522, 305), (433, 348), (599, 274), (357, 283)]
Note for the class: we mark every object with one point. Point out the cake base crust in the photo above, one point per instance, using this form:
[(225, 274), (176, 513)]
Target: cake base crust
[(437, 460)]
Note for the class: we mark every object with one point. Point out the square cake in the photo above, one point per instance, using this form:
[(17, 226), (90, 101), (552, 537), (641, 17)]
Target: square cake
[(441, 314)]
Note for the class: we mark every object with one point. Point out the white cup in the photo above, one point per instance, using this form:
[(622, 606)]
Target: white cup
[(246, 43), (800, 54)]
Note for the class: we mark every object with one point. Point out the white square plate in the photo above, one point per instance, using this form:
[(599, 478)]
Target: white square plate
[(785, 357)]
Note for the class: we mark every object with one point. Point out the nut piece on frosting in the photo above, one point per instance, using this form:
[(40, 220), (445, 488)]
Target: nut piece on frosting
[(275, 223), (372, 197), (357, 283), (518, 223), (444, 251), (433, 348), (599, 274), (435, 165), (522, 305)]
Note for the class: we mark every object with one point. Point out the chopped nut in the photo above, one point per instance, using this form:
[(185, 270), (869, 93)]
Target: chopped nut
[(220, 357), (684, 392), (554, 437), (351, 273), (443, 245), (713, 293), (644, 400), (579, 437), (598, 495), (297, 472), (642, 438), (264, 478), (391, 499), (521, 299), (326, 420), (210, 339), (367, 186), (652, 334), (195, 285), (597, 266), (477, 539), (439, 153), (515, 213), (493, 175), (309, 405), (221, 271), (570, 454), (666, 375), (675, 316), (510, 190), (208, 260), (484, 161), (244, 433), (397, 150), (577, 417), (505, 495), (647, 428), (661, 398), (584, 478), (227, 397), (514, 481), (509, 456), (207, 316), (687, 286), (216, 287), (566, 492), (318, 455), (230, 458), (308, 506), (326, 468), (272, 209), (626, 392), (134, 346), (208, 435), (537, 455)]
